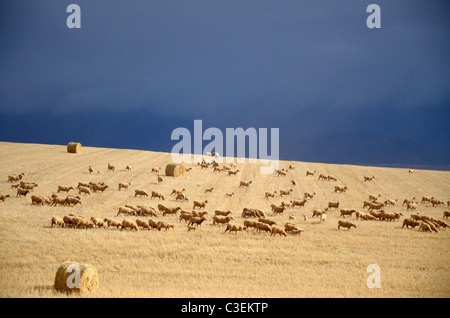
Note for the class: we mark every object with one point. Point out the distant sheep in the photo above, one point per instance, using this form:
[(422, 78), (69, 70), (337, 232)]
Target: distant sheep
[(181, 197), (4, 196), (248, 224), (58, 222), (222, 213), (234, 228), (111, 168), (177, 191), (310, 172), (370, 178), (217, 219), (126, 210), (345, 212), (209, 190), (198, 204), (113, 223), (64, 189), (338, 189), (196, 220), (15, 177), (140, 193), (129, 224), (345, 224), (84, 190), (292, 228), (157, 194), (277, 209), (278, 230), (334, 204), (124, 185), (410, 223), (22, 192), (142, 224), (446, 214), (232, 173), (245, 184), (263, 227), (270, 194), (98, 222), (299, 203), (286, 192), (164, 225)]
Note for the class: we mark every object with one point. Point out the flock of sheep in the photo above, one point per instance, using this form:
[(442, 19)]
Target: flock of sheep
[(251, 218)]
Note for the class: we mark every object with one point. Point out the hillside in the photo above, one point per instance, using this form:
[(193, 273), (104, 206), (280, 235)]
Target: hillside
[(321, 262)]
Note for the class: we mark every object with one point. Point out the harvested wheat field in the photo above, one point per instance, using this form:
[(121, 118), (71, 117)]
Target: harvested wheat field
[(206, 261)]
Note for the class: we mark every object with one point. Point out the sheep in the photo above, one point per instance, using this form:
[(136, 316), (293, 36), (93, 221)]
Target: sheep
[(234, 228), (448, 203), (410, 223), (248, 224), (293, 182), (209, 190), (98, 187), (64, 189), (249, 213), (126, 210), (22, 192), (375, 206), (345, 224), (142, 224), (334, 204), (433, 226), (301, 203), (217, 219), (281, 173), (425, 199), (164, 225), (277, 209), (319, 212), (160, 179), (309, 195), (177, 191), (310, 172), (58, 221), (263, 227), (15, 177), (98, 222), (345, 213), (390, 202), (171, 211), (245, 184), (146, 210), (269, 194), (141, 193), (406, 201), (79, 222), (222, 213), (286, 192), (28, 185), (278, 230), (217, 168), (229, 195), (411, 206), (410, 171), (72, 201), (157, 194), (196, 220), (129, 224), (338, 189), (200, 204), (391, 216), (267, 221), (111, 168), (436, 202), (181, 197), (4, 196), (424, 227), (292, 228), (331, 178), (128, 168), (232, 173), (58, 200), (446, 214), (323, 217), (152, 224), (37, 200), (84, 190), (368, 178), (363, 216), (124, 185), (156, 169)]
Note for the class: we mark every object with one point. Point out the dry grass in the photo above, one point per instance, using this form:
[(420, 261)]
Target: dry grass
[(322, 262)]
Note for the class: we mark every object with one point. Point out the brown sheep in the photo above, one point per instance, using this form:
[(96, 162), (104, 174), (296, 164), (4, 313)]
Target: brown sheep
[(177, 191), (425, 199), (15, 177), (222, 213), (186, 215), (124, 185), (292, 228), (99, 187), (64, 189), (374, 198), (232, 173), (209, 190), (22, 192), (281, 173), (126, 210), (142, 224), (153, 224), (277, 209), (58, 200), (146, 210), (196, 220), (91, 170), (229, 194), (346, 224), (181, 197), (278, 230), (310, 172), (160, 179), (436, 202), (217, 219), (171, 211), (141, 193), (390, 202), (309, 195), (58, 221), (263, 227), (84, 190), (339, 189), (111, 168), (425, 227), (391, 216), (319, 212), (156, 169), (28, 185), (234, 228), (269, 194), (248, 224), (72, 201), (299, 203), (286, 192), (164, 225), (200, 204), (4, 196), (82, 222), (267, 221), (411, 206), (129, 224), (334, 204), (245, 184), (98, 222), (345, 213), (157, 194), (375, 206), (368, 178), (37, 200), (446, 214), (410, 223)]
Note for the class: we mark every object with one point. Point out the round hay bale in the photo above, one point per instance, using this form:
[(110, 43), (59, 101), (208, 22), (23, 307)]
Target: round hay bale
[(74, 147), (175, 170), (79, 278)]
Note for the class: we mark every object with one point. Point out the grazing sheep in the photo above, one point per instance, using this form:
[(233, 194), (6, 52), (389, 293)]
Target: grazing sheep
[(82, 222), (446, 214), (126, 210), (345, 213), (310, 172), (374, 198), (368, 178), (129, 224), (84, 190), (181, 197), (263, 227), (339, 189), (58, 221), (164, 225), (142, 224), (346, 224), (278, 230), (269, 194), (110, 167), (4, 196), (22, 192), (277, 209), (200, 204), (292, 228), (157, 194), (141, 193), (196, 220), (124, 185), (234, 228), (217, 219), (248, 224), (410, 223), (64, 189), (232, 173), (334, 204)]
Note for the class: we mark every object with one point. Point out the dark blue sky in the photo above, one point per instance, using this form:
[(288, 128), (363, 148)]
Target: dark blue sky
[(310, 68)]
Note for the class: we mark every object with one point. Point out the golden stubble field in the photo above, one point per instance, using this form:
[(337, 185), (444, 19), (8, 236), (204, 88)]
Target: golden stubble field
[(321, 262)]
